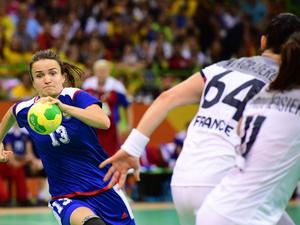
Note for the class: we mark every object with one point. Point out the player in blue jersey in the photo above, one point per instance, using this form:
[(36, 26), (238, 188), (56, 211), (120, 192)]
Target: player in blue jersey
[(208, 154), (72, 153)]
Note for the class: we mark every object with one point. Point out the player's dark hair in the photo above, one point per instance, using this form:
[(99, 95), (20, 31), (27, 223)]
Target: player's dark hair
[(289, 71), (279, 29), (72, 72)]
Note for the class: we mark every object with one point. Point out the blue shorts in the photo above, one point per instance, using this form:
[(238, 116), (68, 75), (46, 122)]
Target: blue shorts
[(111, 206)]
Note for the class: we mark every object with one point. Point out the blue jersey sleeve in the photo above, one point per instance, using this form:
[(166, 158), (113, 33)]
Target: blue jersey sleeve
[(7, 139), (82, 99), (122, 100)]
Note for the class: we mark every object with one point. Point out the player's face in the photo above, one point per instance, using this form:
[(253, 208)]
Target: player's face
[(102, 72), (47, 77)]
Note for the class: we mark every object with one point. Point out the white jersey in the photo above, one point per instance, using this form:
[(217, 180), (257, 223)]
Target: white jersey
[(258, 192), (208, 150)]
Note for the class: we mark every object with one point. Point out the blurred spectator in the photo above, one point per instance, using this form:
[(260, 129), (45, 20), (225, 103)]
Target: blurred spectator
[(112, 94), (2, 43), (136, 35), (177, 61), (129, 56), (31, 25), (148, 91), (45, 37), (143, 51), (96, 51), (160, 48), (214, 54), (167, 80), (14, 53), (256, 10), (73, 55), (22, 34), (6, 22), (3, 93), (23, 90)]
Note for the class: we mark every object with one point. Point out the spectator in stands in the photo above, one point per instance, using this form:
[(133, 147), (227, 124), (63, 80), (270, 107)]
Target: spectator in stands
[(7, 24), (2, 43), (13, 52), (148, 90), (112, 94), (23, 35), (45, 37), (177, 61), (24, 89)]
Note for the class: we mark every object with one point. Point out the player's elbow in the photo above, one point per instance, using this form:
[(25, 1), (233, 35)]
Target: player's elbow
[(167, 99), (102, 122), (106, 123)]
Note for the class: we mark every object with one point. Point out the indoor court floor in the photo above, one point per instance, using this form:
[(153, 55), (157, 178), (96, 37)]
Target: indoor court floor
[(145, 214)]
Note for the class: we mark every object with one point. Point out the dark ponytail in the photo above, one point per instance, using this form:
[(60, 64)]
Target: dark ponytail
[(289, 71), (73, 73)]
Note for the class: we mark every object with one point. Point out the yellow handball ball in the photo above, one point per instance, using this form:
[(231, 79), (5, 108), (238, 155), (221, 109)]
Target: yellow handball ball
[(44, 118)]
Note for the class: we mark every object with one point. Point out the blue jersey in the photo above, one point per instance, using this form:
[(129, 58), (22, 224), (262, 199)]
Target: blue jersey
[(17, 138), (72, 153)]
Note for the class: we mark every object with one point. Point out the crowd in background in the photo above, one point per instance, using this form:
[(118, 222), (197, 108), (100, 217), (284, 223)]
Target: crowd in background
[(152, 44), (145, 39)]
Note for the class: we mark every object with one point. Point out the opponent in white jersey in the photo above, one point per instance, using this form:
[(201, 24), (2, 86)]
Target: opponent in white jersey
[(222, 91), (257, 191)]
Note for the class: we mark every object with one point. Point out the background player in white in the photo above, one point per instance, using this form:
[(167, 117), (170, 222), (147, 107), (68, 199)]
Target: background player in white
[(222, 91), (258, 190)]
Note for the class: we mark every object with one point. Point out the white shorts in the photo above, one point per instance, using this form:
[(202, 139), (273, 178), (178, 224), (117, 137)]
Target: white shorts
[(188, 201), (207, 216)]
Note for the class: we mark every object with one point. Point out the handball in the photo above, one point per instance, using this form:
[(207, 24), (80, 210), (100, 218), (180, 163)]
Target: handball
[(44, 118)]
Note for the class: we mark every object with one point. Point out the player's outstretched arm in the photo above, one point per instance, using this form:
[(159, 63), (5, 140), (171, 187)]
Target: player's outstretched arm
[(187, 92), (7, 122)]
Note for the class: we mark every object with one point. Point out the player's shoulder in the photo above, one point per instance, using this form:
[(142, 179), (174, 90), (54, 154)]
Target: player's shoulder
[(19, 106), (70, 92), (90, 83), (112, 84), (261, 67)]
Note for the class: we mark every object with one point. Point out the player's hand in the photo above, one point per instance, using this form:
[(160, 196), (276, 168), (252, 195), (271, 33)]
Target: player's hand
[(4, 155), (53, 101), (121, 162)]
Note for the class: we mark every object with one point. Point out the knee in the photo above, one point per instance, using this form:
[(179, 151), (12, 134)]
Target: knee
[(93, 220)]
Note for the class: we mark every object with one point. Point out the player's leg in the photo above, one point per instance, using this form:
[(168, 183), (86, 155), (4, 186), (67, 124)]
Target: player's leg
[(207, 216), (113, 207), (74, 212), (21, 187), (187, 201), (85, 216), (285, 220)]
